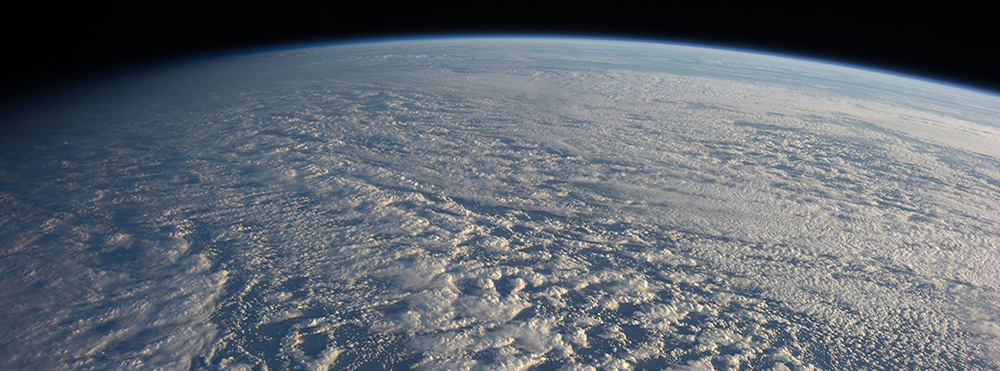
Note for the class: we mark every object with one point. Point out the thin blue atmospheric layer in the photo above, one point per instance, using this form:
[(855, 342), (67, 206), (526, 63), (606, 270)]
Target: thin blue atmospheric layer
[(586, 38)]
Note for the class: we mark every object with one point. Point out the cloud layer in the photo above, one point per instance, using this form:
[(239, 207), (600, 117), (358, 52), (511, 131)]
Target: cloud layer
[(505, 205)]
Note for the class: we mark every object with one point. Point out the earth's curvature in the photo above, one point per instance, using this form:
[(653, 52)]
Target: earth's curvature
[(503, 204)]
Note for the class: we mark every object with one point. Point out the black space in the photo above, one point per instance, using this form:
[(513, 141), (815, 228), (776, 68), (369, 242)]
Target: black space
[(50, 46)]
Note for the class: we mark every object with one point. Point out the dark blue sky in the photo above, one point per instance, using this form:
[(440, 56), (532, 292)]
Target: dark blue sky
[(50, 45)]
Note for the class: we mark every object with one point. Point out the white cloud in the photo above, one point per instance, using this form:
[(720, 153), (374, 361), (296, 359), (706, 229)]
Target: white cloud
[(473, 210)]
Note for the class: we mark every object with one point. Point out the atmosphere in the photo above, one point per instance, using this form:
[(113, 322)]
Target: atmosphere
[(84, 41)]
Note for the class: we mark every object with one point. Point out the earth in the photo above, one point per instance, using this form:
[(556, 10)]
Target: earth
[(502, 204)]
